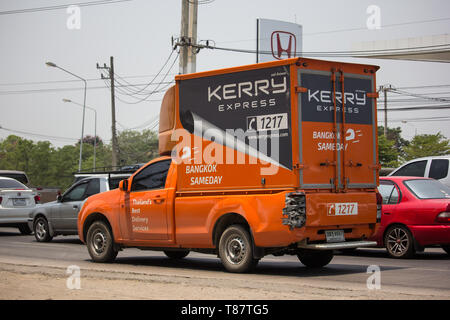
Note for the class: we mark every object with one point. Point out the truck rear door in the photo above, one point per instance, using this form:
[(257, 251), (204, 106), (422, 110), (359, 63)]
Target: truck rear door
[(337, 149)]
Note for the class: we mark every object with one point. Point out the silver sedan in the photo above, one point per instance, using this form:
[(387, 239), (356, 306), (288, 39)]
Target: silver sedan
[(16, 202)]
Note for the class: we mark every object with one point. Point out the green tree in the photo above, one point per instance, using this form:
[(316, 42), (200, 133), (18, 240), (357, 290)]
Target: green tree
[(387, 153), (137, 147), (425, 145), (92, 140), (394, 134), (41, 155), (15, 153), (64, 163)]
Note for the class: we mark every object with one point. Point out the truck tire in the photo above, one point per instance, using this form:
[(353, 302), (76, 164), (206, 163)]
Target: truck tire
[(100, 243), (178, 254), (236, 250), (41, 230), (315, 258), (24, 229)]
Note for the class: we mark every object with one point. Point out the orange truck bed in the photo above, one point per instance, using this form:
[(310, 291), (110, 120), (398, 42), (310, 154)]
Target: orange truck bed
[(255, 160)]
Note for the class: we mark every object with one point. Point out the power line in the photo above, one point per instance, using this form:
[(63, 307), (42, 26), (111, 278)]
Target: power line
[(425, 107), (201, 1), (349, 29), (139, 100), (39, 135), (354, 53), (411, 100), (133, 93), (64, 6), (442, 119), (149, 123), (130, 89), (69, 81), (422, 96), (427, 86), (159, 72), (26, 91), (383, 26), (161, 90)]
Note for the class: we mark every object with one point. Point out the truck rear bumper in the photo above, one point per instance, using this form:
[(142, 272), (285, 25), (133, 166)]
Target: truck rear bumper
[(336, 245)]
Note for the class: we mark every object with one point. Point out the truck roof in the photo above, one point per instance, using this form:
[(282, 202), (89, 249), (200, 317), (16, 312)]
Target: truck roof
[(268, 65)]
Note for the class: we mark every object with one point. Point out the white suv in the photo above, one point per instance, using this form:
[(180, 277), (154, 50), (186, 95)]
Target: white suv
[(429, 167)]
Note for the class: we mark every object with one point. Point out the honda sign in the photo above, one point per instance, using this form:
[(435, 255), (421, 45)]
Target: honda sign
[(277, 40)]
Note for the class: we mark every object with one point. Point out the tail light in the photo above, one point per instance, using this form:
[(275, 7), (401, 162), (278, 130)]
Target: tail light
[(379, 206), (37, 199), (444, 217)]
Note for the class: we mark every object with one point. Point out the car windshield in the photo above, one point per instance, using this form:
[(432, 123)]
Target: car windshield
[(11, 184), (428, 189)]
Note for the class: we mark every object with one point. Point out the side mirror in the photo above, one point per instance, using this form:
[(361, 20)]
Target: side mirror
[(59, 198), (123, 185)]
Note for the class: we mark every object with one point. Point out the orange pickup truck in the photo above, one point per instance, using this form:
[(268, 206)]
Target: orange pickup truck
[(271, 158)]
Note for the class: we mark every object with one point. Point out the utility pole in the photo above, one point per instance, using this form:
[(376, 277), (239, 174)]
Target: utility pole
[(110, 69), (385, 89), (188, 36)]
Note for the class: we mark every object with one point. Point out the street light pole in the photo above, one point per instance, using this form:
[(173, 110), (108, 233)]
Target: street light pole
[(95, 126), (51, 64)]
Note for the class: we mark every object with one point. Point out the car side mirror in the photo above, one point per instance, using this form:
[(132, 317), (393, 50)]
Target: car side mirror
[(59, 198), (123, 185)]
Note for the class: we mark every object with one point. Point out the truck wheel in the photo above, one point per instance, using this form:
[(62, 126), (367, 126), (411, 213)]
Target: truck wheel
[(41, 230), (100, 243), (236, 250), (178, 254), (315, 258), (399, 242), (24, 229)]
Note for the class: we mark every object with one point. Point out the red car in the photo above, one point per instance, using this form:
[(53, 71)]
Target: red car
[(415, 215)]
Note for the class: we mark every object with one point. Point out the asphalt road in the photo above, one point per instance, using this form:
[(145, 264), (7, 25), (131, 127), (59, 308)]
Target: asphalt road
[(426, 276)]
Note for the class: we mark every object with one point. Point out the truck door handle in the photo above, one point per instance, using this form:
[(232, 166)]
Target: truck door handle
[(158, 200), (386, 213), (75, 207)]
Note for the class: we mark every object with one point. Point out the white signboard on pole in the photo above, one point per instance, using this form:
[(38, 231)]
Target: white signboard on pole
[(277, 40)]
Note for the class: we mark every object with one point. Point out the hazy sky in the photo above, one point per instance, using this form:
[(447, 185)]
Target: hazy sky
[(138, 34)]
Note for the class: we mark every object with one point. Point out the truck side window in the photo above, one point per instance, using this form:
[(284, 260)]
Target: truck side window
[(93, 188), (415, 169), (76, 194), (438, 169), (152, 177)]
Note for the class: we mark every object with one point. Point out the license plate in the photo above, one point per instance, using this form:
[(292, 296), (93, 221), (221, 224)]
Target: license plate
[(342, 209), (335, 235), (18, 202)]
